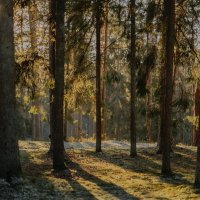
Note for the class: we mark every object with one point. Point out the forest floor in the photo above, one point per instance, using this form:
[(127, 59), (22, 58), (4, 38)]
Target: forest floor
[(108, 175), (108, 145)]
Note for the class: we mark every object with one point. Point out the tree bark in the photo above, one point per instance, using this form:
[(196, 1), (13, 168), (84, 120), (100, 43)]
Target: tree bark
[(169, 33), (98, 77), (133, 152), (9, 150), (196, 113), (197, 174), (105, 71), (162, 99), (65, 122), (52, 46), (58, 148)]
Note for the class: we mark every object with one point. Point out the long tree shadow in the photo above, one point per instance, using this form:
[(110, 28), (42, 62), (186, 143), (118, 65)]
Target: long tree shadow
[(110, 188), (186, 149), (145, 163), (79, 191), (141, 164), (34, 172), (183, 162)]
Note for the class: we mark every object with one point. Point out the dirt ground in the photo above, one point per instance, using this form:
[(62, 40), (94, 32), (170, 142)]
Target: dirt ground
[(108, 175)]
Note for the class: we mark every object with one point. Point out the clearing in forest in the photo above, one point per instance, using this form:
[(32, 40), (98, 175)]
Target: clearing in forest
[(108, 175)]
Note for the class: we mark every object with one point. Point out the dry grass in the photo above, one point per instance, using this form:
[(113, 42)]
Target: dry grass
[(108, 175), (81, 139)]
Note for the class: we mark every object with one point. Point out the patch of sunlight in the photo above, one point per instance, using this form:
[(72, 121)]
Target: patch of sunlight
[(111, 174)]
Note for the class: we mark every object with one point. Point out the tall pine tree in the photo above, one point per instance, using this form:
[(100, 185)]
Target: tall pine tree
[(169, 40), (9, 150)]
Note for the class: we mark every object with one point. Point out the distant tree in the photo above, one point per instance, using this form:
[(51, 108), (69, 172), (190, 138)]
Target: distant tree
[(150, 62), (36, 118), (105, 63), (57, 116), (133, 152), (9, 150), (98, 76), (166, 117)]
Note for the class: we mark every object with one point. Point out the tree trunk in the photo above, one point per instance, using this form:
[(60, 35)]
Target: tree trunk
[(194, 89), (9, 150), (197, 174), (133, 152), (98, 76), (162, 98), (52, 46), (169, 33), (65, 122), (58, 148), (105, 71), (196, 113), (149, 102)]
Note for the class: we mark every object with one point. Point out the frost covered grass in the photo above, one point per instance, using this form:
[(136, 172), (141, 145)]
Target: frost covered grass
[(108, 175)]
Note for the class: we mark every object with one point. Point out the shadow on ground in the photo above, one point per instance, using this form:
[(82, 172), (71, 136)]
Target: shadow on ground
[(37, 170), (110, 175), (148, 162), (108, 187)]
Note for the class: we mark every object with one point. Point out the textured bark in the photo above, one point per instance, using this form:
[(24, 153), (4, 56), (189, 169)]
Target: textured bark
[(196, 113), (98, 76), (105, 70), (58, 144), (169, 33), (9, 150), (149, 101), (197, 174), (52, 46), (162, 99), (133, 152), (65, 122), (194, 89)]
